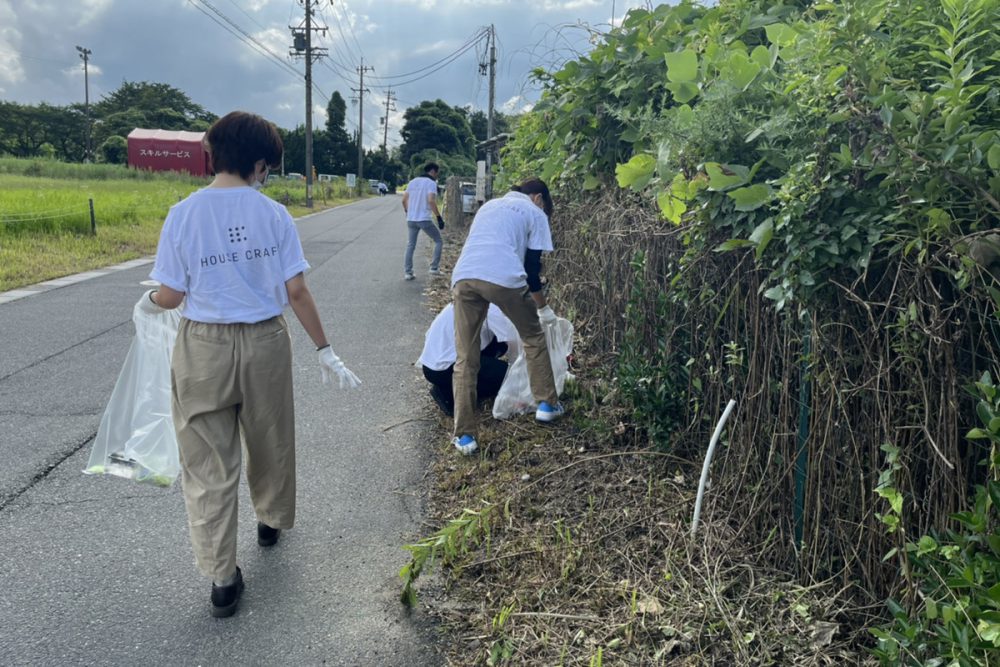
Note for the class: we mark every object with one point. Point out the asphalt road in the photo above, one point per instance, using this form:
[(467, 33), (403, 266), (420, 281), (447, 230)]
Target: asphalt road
[(99, 570)]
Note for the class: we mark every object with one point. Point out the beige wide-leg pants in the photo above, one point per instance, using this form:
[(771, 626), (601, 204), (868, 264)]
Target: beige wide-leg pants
[(230, 380), (472, 300)]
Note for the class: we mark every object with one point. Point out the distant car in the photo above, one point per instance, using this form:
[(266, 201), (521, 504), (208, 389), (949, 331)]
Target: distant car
[(468, 191), (294, 176)]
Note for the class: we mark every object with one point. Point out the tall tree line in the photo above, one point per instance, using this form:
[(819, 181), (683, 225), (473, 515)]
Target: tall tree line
[(432, 130)]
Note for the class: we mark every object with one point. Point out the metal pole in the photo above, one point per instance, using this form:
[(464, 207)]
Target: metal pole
[(309, 129), (93, 220)]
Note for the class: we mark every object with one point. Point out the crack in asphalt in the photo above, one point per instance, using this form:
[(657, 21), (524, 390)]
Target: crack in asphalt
[(67, 349), (7, 499)]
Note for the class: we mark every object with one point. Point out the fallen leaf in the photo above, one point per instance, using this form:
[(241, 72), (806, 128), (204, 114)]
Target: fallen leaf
[(823, 633), (650, 606)]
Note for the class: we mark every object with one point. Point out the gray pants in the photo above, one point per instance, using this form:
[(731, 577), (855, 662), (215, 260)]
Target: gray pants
[(414, 227)]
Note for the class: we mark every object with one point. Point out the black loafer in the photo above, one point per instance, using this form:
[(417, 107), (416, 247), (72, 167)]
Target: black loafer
[(447, 407), (267, 536), (225, 598)]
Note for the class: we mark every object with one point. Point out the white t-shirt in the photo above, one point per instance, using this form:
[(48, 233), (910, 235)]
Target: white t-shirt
[(230, 250), (417, 208), (439, 341), (502, 231)]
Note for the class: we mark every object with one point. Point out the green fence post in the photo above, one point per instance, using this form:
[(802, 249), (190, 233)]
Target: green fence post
[(93, 220)]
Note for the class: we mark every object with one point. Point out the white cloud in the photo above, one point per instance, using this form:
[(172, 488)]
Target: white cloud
[(76, 71), (517, 104), (10, 38), (440, 47), (88, 10), (566, 5), (277, 42)]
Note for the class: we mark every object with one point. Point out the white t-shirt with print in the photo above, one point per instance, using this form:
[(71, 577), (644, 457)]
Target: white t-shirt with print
[(501, 232), (417, 208), (439, 341), (230, 250)]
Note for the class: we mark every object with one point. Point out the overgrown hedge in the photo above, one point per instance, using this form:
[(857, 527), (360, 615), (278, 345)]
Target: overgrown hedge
[(793, 204)]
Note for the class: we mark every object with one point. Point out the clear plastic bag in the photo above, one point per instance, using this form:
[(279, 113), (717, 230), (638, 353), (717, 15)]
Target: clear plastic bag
[(515, 393), (136, 437)]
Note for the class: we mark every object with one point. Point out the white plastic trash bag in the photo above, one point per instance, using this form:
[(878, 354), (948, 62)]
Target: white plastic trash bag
[(515, 393), (136, 437)]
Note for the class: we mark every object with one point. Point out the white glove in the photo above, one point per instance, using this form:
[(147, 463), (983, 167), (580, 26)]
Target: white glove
[(546, 316), (146, 304), (330, 365)]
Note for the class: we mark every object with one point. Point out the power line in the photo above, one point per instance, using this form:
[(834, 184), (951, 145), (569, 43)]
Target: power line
[(350, 27), (232, 28), (475, 40), (247, 14), (453, 58), (342, 56), (340, 30)]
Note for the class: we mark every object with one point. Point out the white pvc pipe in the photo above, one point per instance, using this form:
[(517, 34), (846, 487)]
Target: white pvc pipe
[(708, 461)]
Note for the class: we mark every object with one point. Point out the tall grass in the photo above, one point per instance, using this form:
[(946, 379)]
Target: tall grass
[(45, 214), (33, 205), (90, 172)]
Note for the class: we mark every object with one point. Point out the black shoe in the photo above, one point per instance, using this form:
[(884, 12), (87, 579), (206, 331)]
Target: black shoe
[(442, 401), (267, 536), (224, 598)]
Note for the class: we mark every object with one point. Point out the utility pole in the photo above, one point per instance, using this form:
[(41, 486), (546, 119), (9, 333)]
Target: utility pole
[(302, 47), (489, 114), (361, 90), (389, 99), (85, 56)]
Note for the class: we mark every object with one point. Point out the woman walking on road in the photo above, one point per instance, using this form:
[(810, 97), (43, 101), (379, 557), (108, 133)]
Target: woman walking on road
[(234, 258), (501, 263)]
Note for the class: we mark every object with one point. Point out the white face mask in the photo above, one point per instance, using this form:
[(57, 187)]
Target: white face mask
[(259, 183)]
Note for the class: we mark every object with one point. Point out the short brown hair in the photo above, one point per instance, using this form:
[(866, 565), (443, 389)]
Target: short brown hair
[(237, 140)]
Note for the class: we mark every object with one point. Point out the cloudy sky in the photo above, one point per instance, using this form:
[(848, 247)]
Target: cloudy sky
[(183, 43)]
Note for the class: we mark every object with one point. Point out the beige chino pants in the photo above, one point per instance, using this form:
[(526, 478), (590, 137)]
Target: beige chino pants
[(228, 381), (472, 300)]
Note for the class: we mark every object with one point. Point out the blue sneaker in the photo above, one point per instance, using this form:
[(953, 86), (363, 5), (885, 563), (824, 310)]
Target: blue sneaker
[(549, 413), (466, 444)]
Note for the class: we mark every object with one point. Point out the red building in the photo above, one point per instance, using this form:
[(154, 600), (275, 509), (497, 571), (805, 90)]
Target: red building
[(168, 150)]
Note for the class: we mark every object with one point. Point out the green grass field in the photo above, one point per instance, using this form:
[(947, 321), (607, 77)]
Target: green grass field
[(45, 228)]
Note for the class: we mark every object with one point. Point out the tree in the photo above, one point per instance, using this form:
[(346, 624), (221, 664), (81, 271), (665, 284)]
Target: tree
[(151, 99), (150, 105), (385, 168), (336, 114), (479, 122), (114, 150), (459, 165), (436, 126), (337, 152)]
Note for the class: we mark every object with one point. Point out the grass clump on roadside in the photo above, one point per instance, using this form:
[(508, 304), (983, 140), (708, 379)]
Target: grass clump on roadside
[(568, 544)]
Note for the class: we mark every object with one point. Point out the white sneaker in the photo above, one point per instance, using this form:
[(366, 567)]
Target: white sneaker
[(434, 272), (408, 276), (549, 413), (466, 444)]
